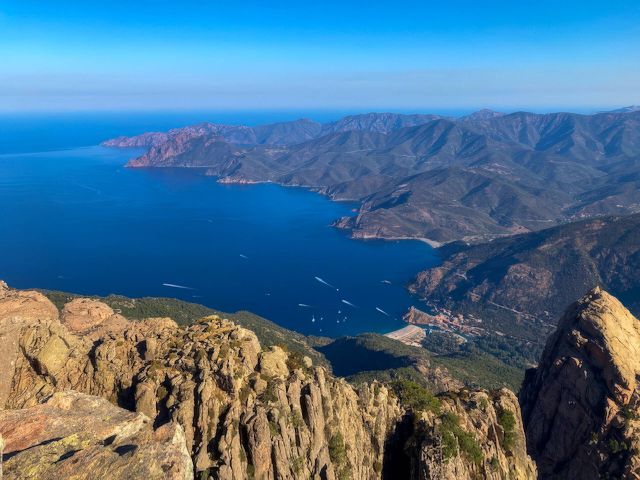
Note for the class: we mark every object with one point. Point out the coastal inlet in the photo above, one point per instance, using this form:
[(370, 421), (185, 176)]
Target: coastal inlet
[(82, 222)]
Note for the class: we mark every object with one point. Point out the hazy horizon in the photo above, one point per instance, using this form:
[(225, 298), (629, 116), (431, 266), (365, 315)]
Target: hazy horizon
[(354, 56), (317, 114)]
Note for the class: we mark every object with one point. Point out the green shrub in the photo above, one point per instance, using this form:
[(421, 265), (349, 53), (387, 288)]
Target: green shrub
[(629, 413), (449, 444), (344, 473), (337, 449), (296, 465), (415, 397), (270, 394), (507, 421), (161, 393), (617, 446), (454, 438), (203, 474), (295, 361), (296, 419)]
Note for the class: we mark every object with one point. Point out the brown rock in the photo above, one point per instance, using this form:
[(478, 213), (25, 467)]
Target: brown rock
[(273, 363), (19, 311), (84, 437), (82, 315), (493, 449)]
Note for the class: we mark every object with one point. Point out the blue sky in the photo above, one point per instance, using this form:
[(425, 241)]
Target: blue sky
[(359, 55)]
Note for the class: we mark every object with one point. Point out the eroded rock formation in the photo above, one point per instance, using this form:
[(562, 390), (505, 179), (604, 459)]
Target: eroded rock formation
[(246, 412), (474, 434)]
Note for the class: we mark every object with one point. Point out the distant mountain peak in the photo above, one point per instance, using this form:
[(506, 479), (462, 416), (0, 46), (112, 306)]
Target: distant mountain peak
[(483, 114)]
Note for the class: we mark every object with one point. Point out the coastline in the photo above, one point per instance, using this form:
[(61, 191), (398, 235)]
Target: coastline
[(354, 234)]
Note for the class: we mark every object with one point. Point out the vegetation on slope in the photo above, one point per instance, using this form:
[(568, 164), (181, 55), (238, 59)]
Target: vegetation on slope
[(480, 370), (518, 286)]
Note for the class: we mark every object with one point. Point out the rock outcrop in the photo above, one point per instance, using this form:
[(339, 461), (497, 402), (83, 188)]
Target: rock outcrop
[(581, 404), (79, 436), (246, 412)]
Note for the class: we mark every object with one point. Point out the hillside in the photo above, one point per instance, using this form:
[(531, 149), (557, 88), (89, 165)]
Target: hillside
[(520, 284), (381, 358)]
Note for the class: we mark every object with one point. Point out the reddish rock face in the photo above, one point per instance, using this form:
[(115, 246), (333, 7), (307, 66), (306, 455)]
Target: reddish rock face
[(87, 316), (19, 310)]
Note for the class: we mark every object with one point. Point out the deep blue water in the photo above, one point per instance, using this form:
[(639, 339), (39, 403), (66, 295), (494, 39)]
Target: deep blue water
[(77, 220)]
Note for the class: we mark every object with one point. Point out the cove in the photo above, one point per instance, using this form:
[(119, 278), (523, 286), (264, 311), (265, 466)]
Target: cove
[(77, 220)]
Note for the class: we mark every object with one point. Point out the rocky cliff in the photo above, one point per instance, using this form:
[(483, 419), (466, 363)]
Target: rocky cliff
[(468, 435), (581, 404), (246, 412)]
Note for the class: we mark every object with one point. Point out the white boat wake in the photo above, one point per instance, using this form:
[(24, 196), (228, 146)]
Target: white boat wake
[(173, 285), (326, 283)]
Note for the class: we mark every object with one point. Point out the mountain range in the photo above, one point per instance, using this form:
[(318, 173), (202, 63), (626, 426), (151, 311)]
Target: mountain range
[(425, 176)]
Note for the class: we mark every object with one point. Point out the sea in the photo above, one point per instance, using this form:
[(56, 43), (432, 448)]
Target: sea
[(74, 218)]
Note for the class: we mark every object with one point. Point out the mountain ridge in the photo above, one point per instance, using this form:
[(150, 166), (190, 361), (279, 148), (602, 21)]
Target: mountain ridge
[(569, 161), (520, 284)]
